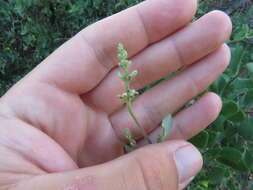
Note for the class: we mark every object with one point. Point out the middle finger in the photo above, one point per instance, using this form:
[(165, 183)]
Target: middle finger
[(183, 48)]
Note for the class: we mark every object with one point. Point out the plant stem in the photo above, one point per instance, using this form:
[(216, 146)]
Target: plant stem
[(129, 94), (144, 133), (130, 111)]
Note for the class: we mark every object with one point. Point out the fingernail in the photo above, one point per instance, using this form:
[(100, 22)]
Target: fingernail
[(188, 161), (185, 183)]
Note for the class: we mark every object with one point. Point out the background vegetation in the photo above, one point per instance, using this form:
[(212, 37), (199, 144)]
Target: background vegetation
[(32, 29)]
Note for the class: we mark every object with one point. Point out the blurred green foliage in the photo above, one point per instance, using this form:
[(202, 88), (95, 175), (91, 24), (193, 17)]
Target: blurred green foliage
[(32, 29), (227, 145)]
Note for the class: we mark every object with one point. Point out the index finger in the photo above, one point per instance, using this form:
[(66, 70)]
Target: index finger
[(82, 62)]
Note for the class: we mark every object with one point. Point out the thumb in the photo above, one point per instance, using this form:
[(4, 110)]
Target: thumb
[(165, 166)]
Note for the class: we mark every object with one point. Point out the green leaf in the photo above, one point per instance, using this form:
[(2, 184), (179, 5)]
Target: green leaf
[(249, 159), (200, 140), (230, 131), (216, 175), (133, 74), (219, 123), (249, 67), (166, 126), (242, 33), (219, 84), (248, 100), (239, 116), (232, 186), (204, 184), (245, 28), (229, 109), (214, 138), (233, 158), (246, 128), (240, 83), (237, 54)]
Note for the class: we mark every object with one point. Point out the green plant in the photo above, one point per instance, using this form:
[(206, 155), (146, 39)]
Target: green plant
[(227, 144), (129, 95)]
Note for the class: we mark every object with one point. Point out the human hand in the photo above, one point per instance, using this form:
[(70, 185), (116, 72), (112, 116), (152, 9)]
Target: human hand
[(61, 125)]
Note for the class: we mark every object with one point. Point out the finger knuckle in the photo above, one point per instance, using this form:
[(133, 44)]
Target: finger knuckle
[(152, 172)]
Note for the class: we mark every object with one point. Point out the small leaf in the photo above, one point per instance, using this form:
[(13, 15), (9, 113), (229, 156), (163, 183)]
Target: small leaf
[(200, 140), (239, 36), (249, 159), (239, 116), (242, 33), (242, 83), (233, 158), (216, 175), (122, 53), (229, 108), (248, 100), (219, 84), (230, 131), (231, 185), (166, 126), (214, 138), (204, 184), (246, 128), (133, 74), (245, 28), (237, 54), (249, 67), (219, 123)]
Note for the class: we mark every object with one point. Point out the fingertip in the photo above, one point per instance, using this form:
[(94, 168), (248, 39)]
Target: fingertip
[(188, 161), (223, 55), (186, 158), (161, 18), (188, 8), (223, 20), (227, 53), (219, 24), (212, 104), (185, 183)]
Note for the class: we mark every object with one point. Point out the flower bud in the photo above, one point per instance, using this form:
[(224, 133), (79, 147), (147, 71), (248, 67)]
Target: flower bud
[(122, 53), (124, 64), (132, 94), (133, 74)]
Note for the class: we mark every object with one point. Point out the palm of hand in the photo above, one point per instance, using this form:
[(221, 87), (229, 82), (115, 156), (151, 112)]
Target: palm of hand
[(84, 132)]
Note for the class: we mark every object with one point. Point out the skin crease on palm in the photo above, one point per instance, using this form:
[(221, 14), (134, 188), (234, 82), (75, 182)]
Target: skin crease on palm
[(61, 124)]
